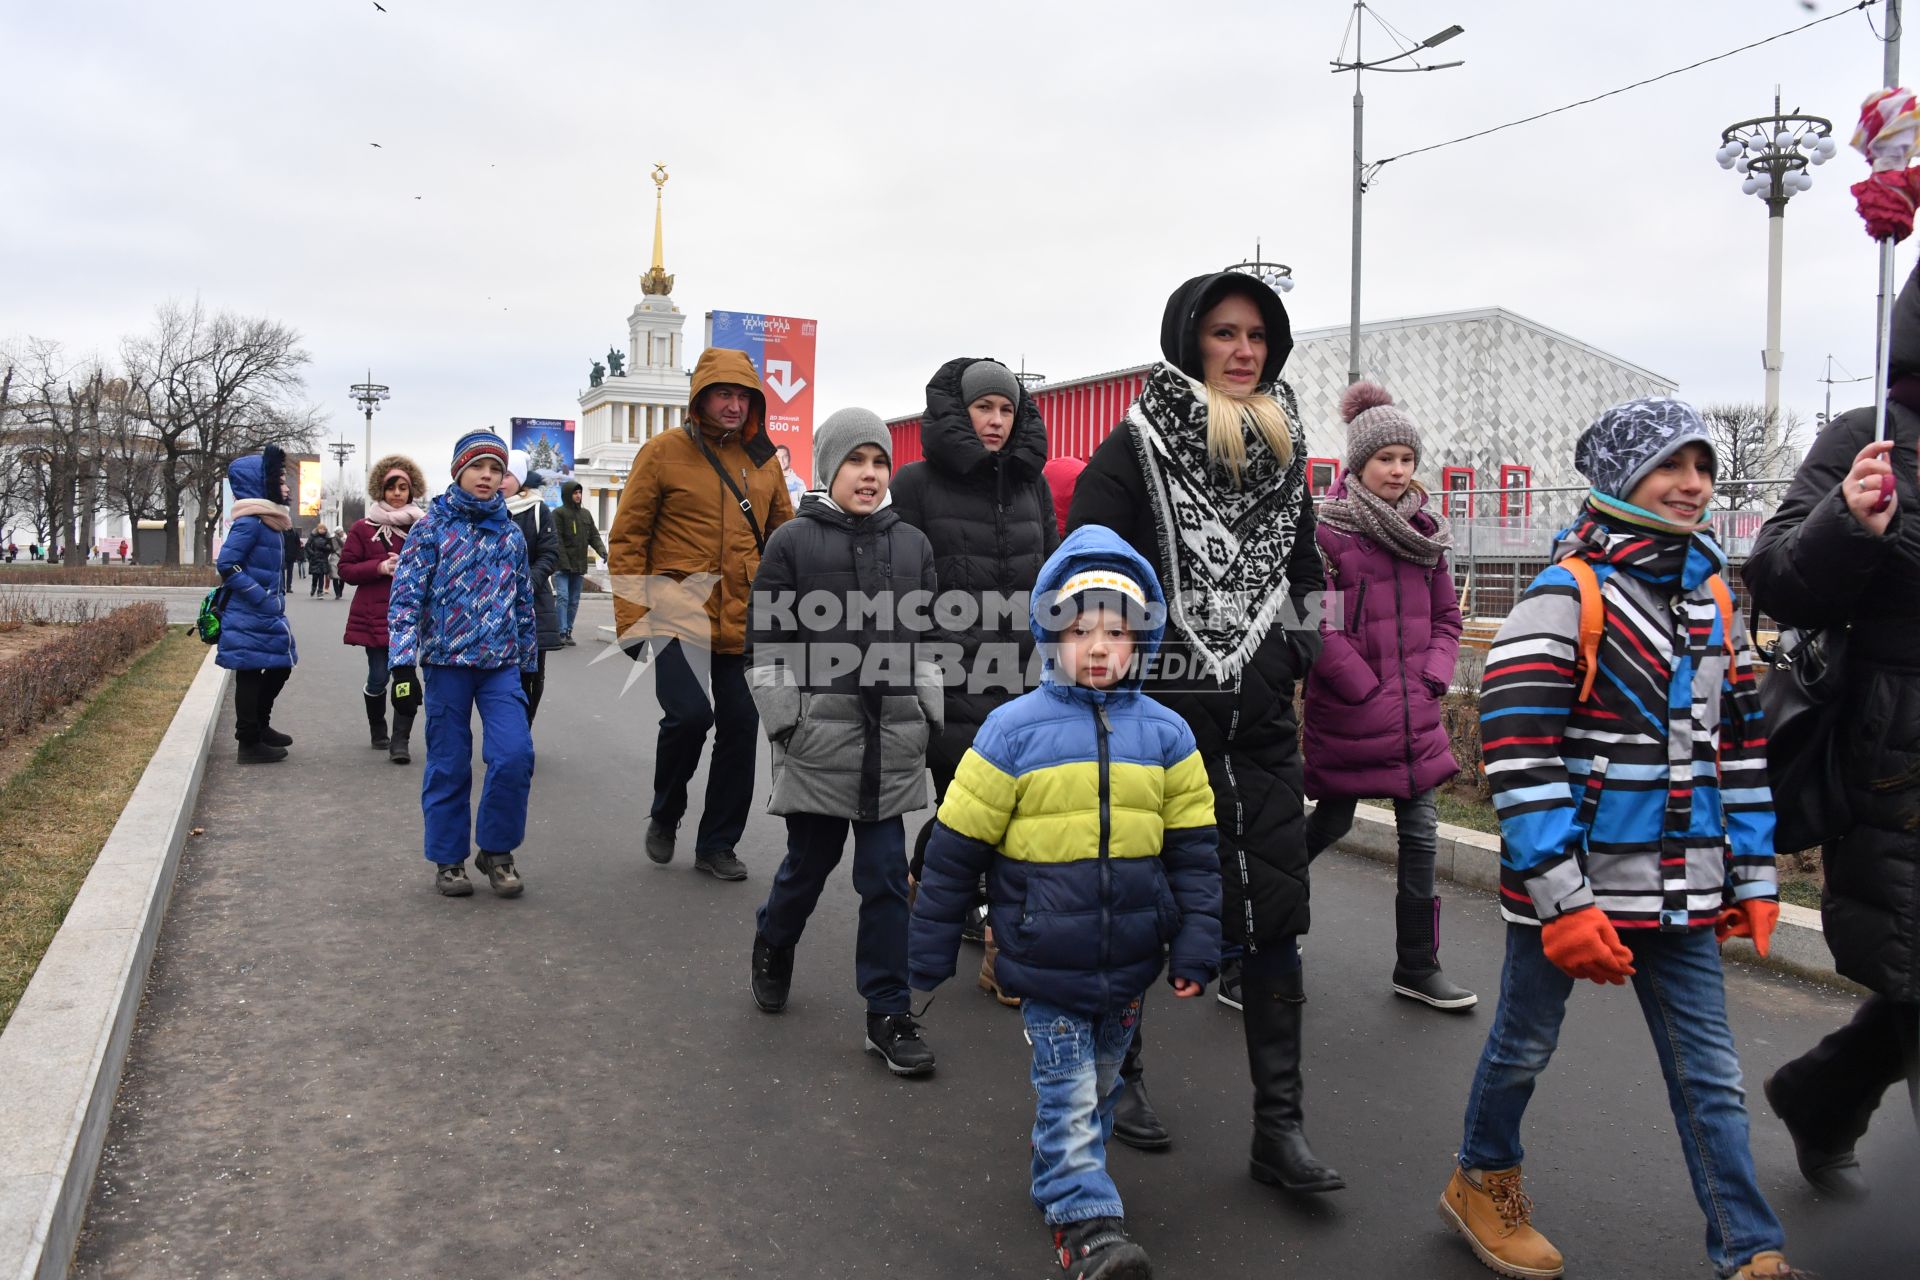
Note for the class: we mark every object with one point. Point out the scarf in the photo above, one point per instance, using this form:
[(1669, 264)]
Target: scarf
[(457, 504), (1618, 511), (386, 517), (525, 500), (1359, 510), (1225, 548), (1674, 560), (272, 514)]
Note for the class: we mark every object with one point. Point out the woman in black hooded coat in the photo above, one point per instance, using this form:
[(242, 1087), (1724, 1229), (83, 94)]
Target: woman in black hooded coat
[(1825, 559), (1234, 548)]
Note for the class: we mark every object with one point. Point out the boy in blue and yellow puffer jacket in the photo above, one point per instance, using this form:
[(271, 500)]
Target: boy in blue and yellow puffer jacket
[(1087, 806)]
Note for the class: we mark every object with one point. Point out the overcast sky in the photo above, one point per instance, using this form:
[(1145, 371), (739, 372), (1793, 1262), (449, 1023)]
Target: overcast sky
[(925, 180)]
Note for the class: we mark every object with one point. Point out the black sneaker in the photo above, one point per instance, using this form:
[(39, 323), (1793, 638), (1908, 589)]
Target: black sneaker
[(974, 929), (1228, 992), (896, 1038), (499, 870), (659, 842), (451, 880), (1098, 1249), (261, 753), (721, 866), (772, 975)]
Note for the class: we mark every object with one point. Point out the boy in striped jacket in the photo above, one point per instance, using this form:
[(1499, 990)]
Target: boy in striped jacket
[(1636, 828)]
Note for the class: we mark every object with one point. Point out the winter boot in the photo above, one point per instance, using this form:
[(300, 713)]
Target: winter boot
[(659, 841), (402, 730), (1827, 1161), (1416, 974), (501, 875), (896, 1038), (274, 738), (988, 982), (377, 719), (261, 752), (1098, 1249), (772, 975), (1488, 1207), (1771, 1265), (451, 880), (1135, 1122), (1281, 1156)]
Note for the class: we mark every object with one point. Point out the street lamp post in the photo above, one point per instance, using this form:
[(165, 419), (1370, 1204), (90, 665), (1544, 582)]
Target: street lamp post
[(341, 451), (1360, 168), (1277, 276), (1772, 155), (368, 396)]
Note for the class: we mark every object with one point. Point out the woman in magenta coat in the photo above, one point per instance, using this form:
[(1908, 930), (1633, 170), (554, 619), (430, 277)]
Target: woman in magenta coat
[(1373, 726), (367, 560)]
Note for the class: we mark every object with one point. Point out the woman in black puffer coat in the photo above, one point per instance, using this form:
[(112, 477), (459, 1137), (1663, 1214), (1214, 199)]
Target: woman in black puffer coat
[(1207, 479), (1826, 559)]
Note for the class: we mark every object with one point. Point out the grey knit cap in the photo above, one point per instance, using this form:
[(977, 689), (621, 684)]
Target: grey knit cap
[(1625, 443), (1374, 421), (989, 378), (842, 433)]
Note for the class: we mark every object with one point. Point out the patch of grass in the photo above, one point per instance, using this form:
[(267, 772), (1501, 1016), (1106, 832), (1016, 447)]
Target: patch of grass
[(1461, 810), (57, 810), (1801, 893)]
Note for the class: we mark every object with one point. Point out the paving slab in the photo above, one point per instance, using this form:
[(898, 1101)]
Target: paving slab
[(338, 1072)]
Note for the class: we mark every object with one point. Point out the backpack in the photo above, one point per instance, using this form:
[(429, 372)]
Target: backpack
[(1593, 621), (207, 624)]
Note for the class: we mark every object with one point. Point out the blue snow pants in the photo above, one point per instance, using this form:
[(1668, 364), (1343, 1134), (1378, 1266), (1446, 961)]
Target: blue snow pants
[(506, 746)]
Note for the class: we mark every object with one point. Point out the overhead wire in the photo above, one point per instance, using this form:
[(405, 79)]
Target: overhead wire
[(1374, 168)]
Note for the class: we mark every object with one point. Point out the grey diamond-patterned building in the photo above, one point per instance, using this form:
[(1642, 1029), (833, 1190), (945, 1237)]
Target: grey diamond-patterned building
[(1500, 399)]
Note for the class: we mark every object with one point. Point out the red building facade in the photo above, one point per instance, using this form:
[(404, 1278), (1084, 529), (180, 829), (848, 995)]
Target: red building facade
[(1078, 414)]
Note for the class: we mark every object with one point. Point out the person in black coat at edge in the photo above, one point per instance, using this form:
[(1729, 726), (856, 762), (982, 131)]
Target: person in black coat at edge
[(528, 506), (1827, 559), (981, 500), (290, 544), (1212, 489)]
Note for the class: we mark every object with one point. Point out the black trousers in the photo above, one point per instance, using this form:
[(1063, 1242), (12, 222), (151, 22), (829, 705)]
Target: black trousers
[(253, 695), (538, 687), (943, 767), (1831, 1090), (683, 677)]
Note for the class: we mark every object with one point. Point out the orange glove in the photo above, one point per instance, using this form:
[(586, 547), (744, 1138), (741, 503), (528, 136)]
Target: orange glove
[(1583, 944), (1754, 919)]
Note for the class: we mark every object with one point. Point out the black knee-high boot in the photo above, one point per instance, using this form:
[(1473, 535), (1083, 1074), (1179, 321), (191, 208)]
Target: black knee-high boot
[(1135, 1122), (376, 718), (1281, 1155), (397, 750)]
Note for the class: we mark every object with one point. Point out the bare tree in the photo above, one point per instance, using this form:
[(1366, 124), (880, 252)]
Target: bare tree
[(1753, 444), (212, 387), (58, 441)]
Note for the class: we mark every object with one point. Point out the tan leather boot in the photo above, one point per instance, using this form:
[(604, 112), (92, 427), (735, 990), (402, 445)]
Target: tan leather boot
[(1771, 1265), (988, 982), (1490, 1210)]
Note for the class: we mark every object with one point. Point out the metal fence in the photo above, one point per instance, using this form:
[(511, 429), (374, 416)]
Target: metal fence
[(1502, 538)]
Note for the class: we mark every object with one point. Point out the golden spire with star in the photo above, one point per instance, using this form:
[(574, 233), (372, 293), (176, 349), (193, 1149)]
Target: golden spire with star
[(657, 283)]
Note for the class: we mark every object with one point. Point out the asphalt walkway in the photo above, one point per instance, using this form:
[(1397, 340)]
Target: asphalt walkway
[(339, 1073)]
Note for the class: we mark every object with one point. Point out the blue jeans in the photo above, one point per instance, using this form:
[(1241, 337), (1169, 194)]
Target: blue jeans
[(1076, 1081), (566, 598), (1678, 981), (376, 671), (452, 695), (814, 845)]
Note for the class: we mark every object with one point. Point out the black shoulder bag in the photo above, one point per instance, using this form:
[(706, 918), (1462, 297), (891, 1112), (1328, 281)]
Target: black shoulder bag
[(746, 503), (1801, 696)]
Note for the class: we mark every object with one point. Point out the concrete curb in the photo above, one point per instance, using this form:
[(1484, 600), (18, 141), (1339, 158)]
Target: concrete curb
[(63, 1052), (1472, 858)]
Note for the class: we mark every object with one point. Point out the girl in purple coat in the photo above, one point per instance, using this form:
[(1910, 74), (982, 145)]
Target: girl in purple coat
[(1372, 724)]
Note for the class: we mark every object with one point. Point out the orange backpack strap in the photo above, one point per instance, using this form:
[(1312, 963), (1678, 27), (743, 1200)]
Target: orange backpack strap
[(1593, 622), (1724, 598)]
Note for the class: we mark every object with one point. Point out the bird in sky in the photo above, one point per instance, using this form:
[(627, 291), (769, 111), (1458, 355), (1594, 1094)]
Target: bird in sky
[(382, 8), (375, 144)]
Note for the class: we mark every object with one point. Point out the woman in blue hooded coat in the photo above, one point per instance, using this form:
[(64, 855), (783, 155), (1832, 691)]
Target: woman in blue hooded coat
[(256, 642)]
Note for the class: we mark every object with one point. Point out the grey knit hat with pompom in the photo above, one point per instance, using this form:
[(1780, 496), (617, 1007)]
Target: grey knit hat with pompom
[(1374, 421)]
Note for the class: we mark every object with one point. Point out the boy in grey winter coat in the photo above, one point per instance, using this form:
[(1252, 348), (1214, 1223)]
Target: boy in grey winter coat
[(849, 696)]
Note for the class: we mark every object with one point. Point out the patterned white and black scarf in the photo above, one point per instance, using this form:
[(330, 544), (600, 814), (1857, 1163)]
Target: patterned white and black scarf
[(1226, 549)]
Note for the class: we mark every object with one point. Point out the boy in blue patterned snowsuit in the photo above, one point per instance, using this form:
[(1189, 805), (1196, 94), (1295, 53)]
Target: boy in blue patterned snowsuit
[(462, 607)]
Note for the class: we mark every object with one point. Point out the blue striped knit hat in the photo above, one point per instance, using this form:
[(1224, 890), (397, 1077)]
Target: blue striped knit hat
[(476, 445)]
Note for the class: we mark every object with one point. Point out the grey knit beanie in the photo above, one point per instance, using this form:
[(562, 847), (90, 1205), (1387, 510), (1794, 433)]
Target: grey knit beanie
[(842, 433), (989, 378), (1374, 421), (1626, 442)]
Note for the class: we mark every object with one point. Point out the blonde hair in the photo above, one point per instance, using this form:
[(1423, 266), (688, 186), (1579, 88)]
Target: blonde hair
[(1228, 416)]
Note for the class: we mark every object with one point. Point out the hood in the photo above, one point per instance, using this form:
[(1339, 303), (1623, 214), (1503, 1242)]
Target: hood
[(946, 432), (397, 462), (258, 475), (1087, 547), (723, 364), (1903, 350), (567, 491), (1179, 324)]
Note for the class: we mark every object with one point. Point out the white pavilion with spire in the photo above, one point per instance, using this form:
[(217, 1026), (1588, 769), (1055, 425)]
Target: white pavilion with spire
[(649, 397)]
